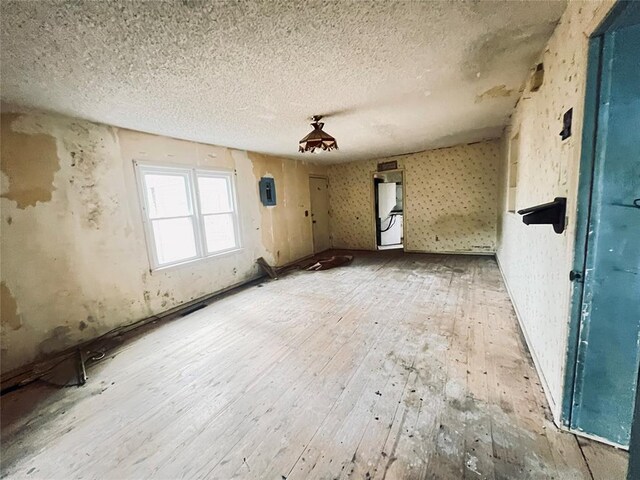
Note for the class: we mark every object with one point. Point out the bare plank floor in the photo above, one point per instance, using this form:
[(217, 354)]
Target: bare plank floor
[(399, 366)]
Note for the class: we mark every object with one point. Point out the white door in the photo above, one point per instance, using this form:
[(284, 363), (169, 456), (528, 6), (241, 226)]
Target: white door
[(319, 188)]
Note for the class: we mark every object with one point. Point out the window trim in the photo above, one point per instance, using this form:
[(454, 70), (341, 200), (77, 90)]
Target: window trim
[(191, 173), (512, 172)]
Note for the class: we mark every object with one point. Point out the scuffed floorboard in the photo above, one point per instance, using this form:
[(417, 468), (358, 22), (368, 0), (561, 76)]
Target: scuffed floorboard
[(398, 366)]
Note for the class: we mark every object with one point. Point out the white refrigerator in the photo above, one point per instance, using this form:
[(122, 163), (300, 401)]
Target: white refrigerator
[(389, 195)]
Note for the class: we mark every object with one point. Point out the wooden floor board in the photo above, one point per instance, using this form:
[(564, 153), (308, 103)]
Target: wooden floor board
[(398, 366)]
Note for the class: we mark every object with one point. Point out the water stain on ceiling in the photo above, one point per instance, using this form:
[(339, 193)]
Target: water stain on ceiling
[(396, 77)]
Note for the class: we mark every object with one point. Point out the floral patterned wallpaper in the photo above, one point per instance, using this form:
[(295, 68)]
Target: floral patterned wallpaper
[(351, 205), (450, 200)]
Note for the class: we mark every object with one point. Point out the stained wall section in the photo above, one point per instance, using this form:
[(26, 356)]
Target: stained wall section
[(450, 200), (74, 257), (534, 260)]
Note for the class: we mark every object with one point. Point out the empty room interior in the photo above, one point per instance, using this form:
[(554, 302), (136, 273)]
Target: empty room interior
[(320, 240)]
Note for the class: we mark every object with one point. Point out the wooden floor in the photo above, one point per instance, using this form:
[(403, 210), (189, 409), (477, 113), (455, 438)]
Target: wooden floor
[(398, 366)]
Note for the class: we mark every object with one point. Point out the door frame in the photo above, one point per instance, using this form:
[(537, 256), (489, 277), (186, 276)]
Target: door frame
[(313, 242), (594, 114), (372, 186)]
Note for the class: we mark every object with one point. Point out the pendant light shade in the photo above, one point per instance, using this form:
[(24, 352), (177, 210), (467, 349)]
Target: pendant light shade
[(317, 138)]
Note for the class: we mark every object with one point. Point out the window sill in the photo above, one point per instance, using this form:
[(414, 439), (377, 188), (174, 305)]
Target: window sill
[(195, 261)]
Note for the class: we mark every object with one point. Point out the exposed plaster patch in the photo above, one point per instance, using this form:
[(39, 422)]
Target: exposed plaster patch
[(495, 92), (9, 308), (30, 162)]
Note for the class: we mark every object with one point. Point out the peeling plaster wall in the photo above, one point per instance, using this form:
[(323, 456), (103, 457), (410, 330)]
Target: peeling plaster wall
[(534, 260), (450, 200), (74, 257)]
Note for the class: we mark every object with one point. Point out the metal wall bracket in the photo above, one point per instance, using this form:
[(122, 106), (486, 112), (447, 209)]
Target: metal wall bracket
[(552, 213)]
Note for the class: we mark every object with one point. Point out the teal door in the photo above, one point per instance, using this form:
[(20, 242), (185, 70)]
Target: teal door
[(607, 350)]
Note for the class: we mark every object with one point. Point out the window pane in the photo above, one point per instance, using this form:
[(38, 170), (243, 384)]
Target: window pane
[(167, 195), (174, 239), (215, 194), (220, 232)]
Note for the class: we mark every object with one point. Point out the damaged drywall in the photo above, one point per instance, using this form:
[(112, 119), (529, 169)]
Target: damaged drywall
[(74, 255), (450, 200)]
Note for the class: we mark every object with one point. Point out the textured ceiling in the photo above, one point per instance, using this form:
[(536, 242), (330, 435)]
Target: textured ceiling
[(394, 77)]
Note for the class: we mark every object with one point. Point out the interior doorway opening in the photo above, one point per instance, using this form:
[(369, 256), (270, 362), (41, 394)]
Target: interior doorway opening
[(389, 209)]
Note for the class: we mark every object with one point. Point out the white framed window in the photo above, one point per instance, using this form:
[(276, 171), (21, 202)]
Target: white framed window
[(189, 213)]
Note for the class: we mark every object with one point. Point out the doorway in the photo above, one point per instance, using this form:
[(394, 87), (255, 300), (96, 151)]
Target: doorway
[(603, 353), (388, 208), (319, 189)]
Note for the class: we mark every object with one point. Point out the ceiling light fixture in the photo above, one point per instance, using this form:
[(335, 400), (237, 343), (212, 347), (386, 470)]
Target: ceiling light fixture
[(317, 138)]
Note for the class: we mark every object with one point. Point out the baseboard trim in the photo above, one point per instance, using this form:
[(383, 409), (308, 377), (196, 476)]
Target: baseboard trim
[(484, 253), (545, 385)]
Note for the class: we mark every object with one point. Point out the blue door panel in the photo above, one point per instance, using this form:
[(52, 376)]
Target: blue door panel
[(608, 348)]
